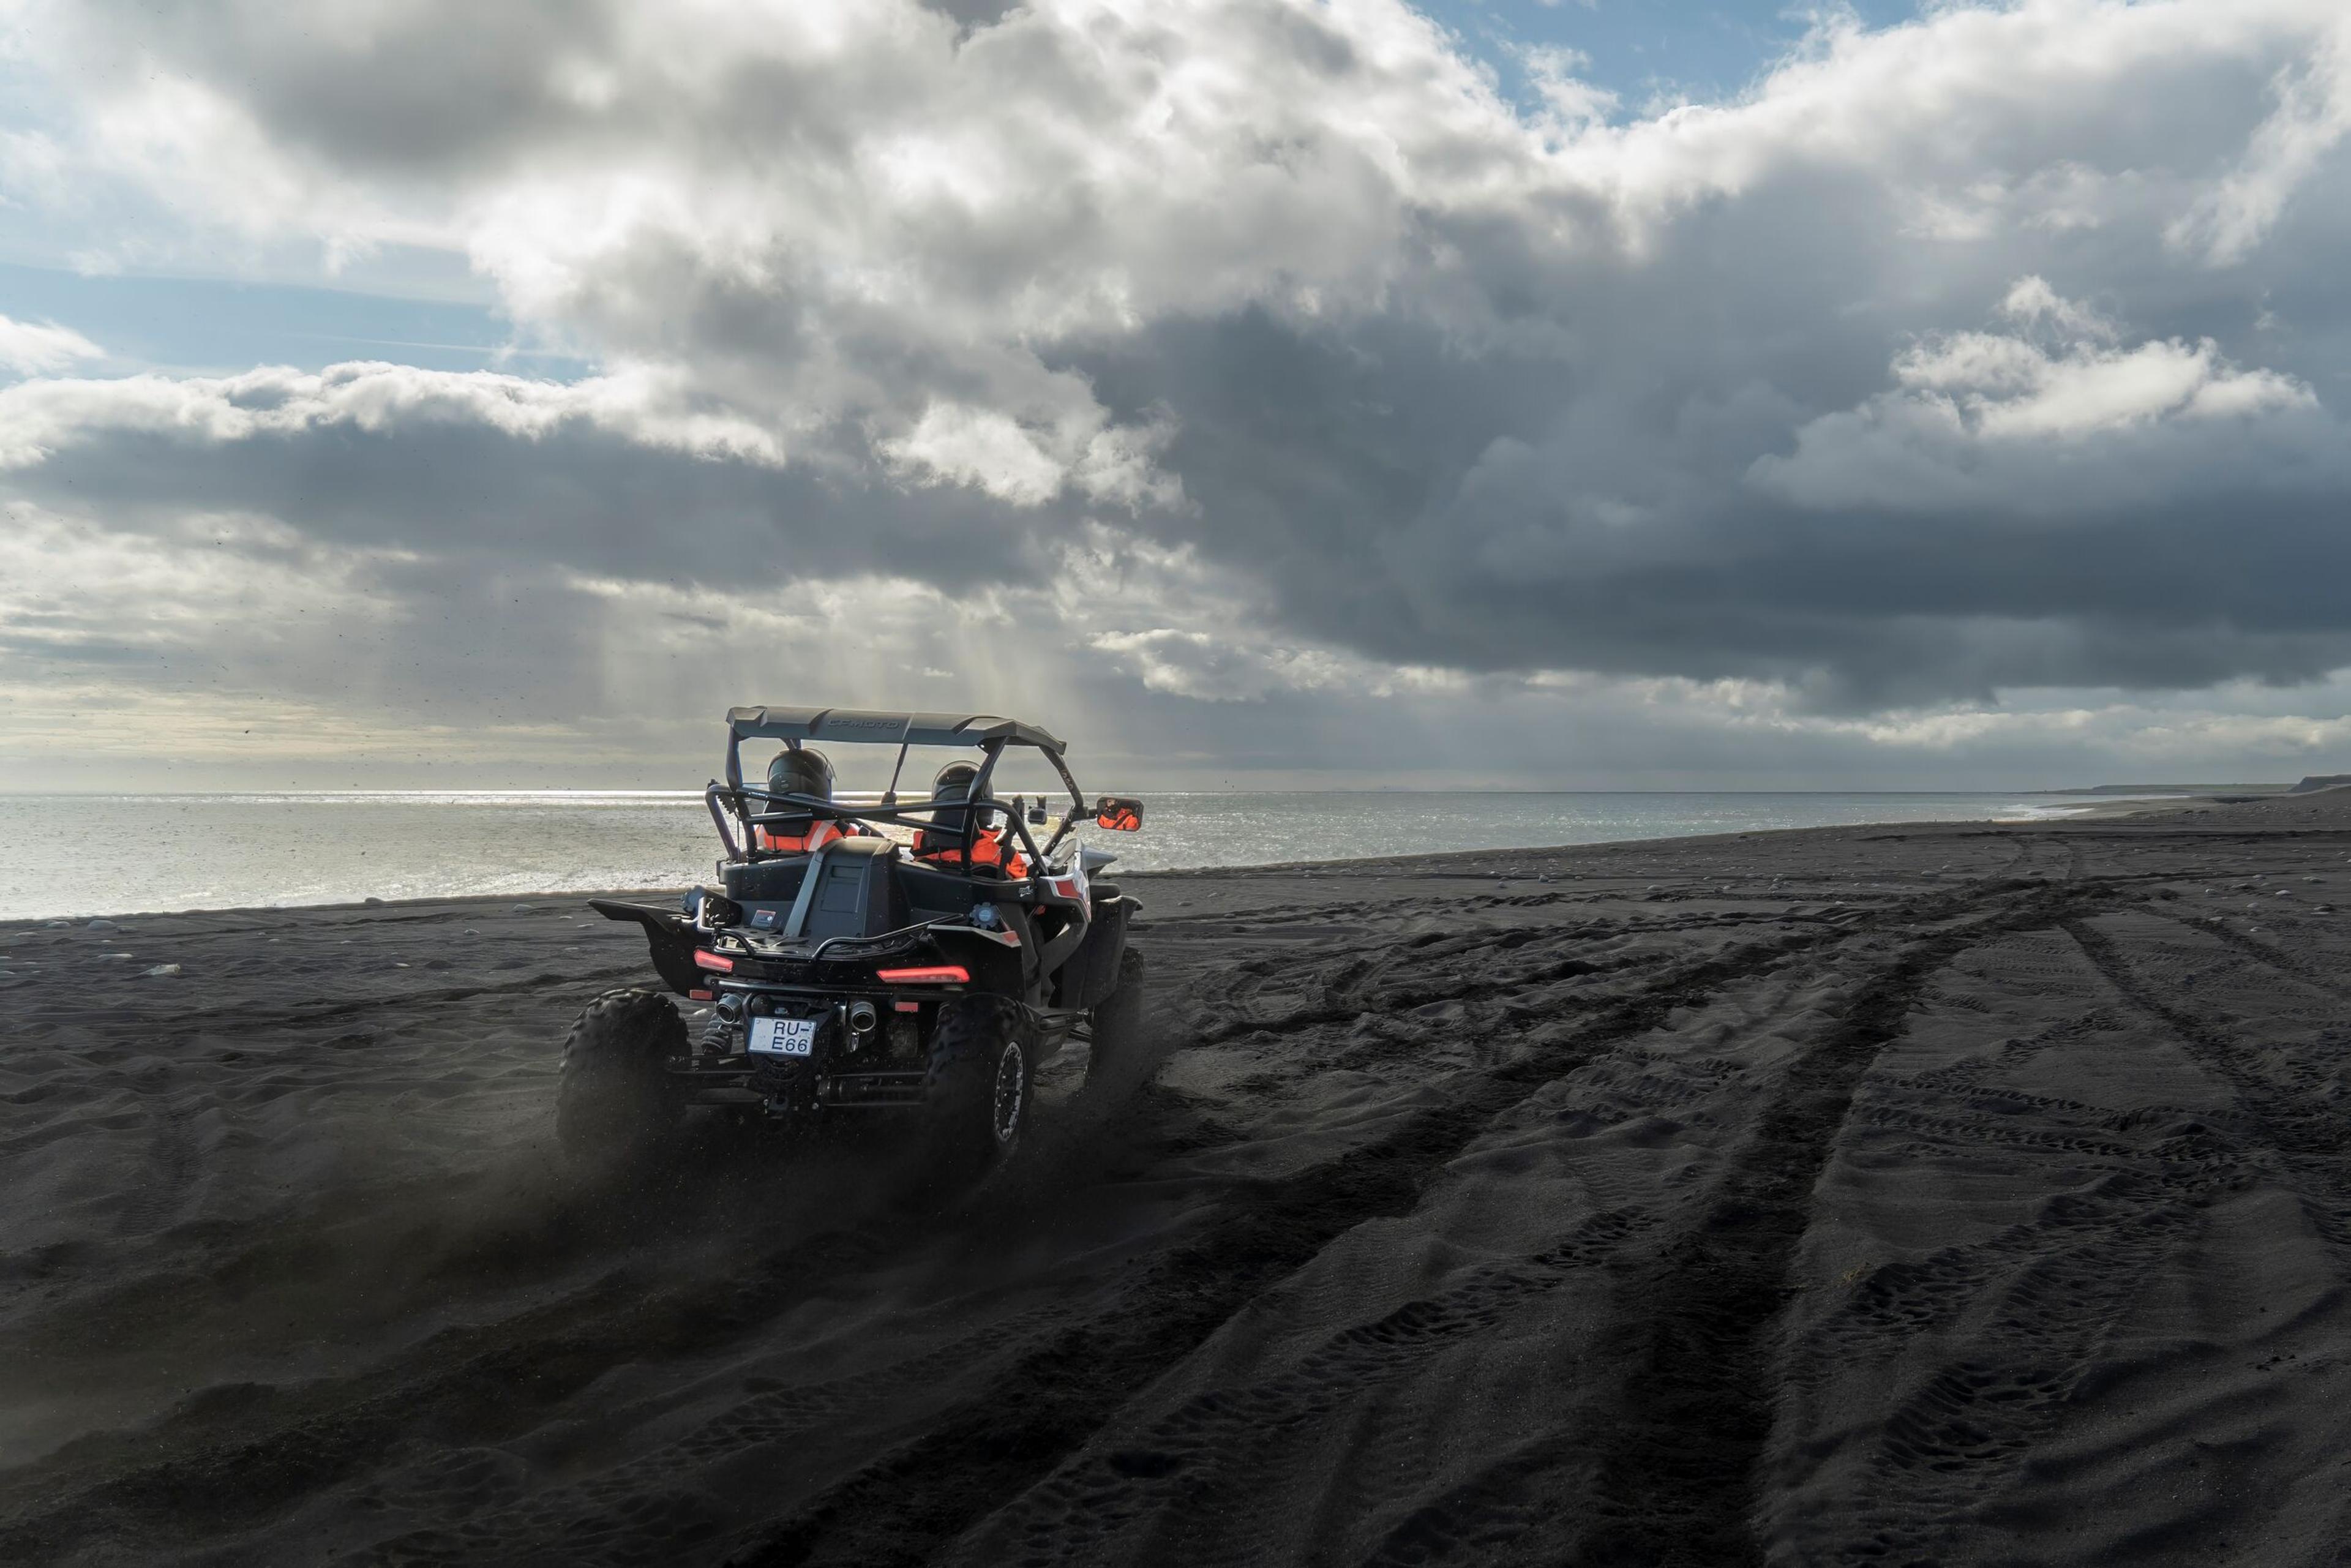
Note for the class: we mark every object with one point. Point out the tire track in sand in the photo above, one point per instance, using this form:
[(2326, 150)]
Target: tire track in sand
[(1671, 1478), (2262, 952), (908, 1507), (2307, 1131)]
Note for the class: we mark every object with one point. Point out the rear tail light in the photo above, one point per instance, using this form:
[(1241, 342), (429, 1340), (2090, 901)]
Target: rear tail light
[(934, 975), (706, 959)]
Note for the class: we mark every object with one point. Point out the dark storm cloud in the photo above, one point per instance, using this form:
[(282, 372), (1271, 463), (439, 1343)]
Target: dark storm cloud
[(578, 498), (1494, 514)]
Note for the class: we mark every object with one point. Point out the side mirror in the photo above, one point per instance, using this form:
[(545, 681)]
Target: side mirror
[(1119, 813), (1036, 816)]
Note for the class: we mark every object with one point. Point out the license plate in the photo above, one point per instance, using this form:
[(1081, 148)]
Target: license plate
[(783, 1037)]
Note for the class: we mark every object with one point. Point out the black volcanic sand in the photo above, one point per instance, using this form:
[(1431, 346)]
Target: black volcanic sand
[(1960, 1194)]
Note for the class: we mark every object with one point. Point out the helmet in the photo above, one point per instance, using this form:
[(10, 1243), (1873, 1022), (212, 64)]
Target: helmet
[(800, 772), (954, 783)]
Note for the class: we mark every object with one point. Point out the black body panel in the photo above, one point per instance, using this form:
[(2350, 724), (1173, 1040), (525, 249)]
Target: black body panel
[(764, 882), (928, 894), (850, 890), (931, 893)]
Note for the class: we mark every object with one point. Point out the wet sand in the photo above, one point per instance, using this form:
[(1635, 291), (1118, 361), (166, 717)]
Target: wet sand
[(1954, 1193)]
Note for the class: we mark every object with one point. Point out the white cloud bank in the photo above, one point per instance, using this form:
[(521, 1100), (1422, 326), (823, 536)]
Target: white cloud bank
[(1957, 364)]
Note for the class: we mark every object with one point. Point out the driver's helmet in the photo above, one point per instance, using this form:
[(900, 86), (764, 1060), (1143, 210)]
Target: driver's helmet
[(954, 783), (800, 772)]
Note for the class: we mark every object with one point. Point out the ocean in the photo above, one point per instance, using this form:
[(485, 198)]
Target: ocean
[(113, 854)]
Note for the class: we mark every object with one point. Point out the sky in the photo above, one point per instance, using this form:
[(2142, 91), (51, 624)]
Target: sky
[(1260, 392)]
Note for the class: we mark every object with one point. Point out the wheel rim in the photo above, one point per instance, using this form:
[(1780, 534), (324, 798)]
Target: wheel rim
[(1009, 1093)]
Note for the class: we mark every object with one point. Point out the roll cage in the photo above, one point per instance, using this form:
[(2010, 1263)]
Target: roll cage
[(987, 734)]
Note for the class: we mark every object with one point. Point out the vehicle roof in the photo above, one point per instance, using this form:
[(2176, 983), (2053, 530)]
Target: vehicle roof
[(872, 725)]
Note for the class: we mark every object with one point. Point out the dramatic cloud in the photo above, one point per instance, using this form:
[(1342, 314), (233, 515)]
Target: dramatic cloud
[(1231, 360)]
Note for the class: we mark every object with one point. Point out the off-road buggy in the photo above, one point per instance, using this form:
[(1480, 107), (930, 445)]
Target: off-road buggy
[(922, 963)]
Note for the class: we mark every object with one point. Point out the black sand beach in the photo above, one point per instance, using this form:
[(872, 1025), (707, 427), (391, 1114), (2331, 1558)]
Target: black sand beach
[(1954, 1193)]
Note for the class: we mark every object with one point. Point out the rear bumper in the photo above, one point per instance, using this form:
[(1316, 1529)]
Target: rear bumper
[(788, 1089)]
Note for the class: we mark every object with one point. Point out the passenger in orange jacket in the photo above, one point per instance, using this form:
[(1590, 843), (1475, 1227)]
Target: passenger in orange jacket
[(941, 843)]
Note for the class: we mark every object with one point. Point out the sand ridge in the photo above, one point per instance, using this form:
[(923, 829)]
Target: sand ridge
[(1953, 1193)]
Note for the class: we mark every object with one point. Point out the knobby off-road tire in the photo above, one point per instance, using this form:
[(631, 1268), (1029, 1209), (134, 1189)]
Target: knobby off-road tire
[(615, 1106), (976, 1099), (1116, 1063)]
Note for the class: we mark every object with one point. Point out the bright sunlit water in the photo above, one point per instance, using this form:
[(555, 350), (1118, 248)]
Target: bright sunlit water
[(88, 854)]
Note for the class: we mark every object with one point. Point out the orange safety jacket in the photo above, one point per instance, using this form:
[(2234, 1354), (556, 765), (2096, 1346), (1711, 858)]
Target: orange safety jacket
[(818, 835), (988, 848)]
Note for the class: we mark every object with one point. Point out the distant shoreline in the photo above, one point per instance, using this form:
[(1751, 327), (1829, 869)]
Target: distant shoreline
[(240, 854), (2117, 808)]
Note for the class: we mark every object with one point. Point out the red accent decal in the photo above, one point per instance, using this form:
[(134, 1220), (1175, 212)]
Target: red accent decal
[(935, 975)]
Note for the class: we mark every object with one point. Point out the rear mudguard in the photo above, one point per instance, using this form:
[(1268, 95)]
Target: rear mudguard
[(671, 936), (1090, 974)]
